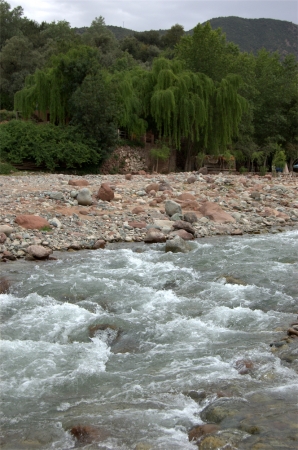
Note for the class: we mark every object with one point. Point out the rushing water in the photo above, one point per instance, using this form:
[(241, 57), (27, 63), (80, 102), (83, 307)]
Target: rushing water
[(176, 326)]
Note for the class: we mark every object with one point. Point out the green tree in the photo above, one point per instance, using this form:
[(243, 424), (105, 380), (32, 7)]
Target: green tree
[(18, 59), (94, 112), (205, 51), (172, 36)]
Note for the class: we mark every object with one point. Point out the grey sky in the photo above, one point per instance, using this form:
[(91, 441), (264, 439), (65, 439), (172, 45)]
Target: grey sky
[(141, 15)]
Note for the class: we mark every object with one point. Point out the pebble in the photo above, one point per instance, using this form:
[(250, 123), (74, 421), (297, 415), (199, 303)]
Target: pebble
[(75, 227)]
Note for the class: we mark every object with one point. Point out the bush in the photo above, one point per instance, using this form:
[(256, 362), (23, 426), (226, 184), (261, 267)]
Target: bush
[(7, 115), (263, 171), (55, 147), (6, 168), (243, 170)]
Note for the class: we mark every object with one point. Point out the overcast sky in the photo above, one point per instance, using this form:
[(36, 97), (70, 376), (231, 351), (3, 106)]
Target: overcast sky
[(141, 15)]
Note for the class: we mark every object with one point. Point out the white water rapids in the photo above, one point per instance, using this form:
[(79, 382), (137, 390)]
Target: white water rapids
[(178, 324)]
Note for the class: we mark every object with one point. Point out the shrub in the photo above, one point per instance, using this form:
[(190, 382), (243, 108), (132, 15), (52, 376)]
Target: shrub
[(7, 115), (6, 168), (243, 170), (46, 144)]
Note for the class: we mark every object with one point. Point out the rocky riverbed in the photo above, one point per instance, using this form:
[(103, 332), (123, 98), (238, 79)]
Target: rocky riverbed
[(92, 211)]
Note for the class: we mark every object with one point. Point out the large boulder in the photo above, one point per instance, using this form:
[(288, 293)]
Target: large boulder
[(39, 252), (214, 212), (177, 245), (154, 236), (84, 197), (105, 193), (172, 208), (203, 171), (31, 222)]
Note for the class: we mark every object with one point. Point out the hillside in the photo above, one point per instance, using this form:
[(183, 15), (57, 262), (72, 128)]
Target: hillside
[(253, 34), (250, 34)]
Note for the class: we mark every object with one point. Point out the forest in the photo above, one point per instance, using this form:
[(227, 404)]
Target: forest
[(66, 93)]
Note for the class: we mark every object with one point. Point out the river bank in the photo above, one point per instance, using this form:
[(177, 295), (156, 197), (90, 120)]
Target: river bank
[(141, 209)]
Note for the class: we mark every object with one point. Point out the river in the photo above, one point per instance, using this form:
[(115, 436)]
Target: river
[(179, 332)]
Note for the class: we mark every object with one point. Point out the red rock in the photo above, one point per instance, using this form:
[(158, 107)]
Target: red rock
[(137, 224), (8, 255), (236, 232), (183, 234), (99, 244), (4, 286), (152, 187), (128, 176), (39, 252), (183, 225), (186, 196), (200, 430), (214, 212), (31, 222), (142, 172), (105, 193), (78, 182), (138, 210), (192, 205), (83, 212), (244, 366), (3, 238), (154, 236)]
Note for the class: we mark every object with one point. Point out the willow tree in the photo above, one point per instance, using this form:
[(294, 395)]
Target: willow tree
[(49, 90), (192, 111)]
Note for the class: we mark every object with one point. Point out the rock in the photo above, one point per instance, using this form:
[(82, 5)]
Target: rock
[(183, 234), (84, 197), (31, 222), (172, 208), (191, 179), (4, 286), (176, 217), (177, 245), (200, 430), (152, 187), (105, 331), (137, 224), (244, 366), (128, 176), (7, 255), (56, 222), (182, 225), (203, 171), (214, 212), (186, 196), (56, 196), (164, 187), (80, 182), (232, 280), (105, 193), (6, 229), (138, 210), (3, 238), (237, 232), (154, 236), (221, 408), (85, 434), (100, 243), (39, 252), (190, 217), (255, 195)]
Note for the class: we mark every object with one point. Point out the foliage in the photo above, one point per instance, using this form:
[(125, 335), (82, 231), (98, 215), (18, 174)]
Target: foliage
[(45, 144), (94, 112), (161, 152), (243, 170), (7, 115), (279, 158), (6, 168)]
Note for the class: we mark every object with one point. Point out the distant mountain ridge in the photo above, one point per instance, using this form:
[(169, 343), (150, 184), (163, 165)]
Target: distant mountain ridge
[(253, 34), (249, 34)]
